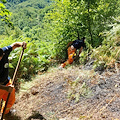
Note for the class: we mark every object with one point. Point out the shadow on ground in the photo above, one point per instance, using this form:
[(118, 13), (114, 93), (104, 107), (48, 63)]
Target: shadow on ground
[(12, 117), (36, 116)]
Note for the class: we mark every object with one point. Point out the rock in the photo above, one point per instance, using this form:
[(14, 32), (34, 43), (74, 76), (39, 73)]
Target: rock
[(34, 91)]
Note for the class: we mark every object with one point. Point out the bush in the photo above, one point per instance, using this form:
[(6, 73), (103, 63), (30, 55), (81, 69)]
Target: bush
[(32, 61), (108, 53)]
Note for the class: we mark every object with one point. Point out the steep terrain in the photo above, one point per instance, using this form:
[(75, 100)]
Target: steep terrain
[(74, 93)]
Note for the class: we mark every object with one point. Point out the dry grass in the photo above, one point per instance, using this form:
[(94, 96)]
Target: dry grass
[(47, 95)]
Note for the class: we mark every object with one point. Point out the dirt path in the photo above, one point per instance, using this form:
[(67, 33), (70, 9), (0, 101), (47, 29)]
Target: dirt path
[(55, 96)]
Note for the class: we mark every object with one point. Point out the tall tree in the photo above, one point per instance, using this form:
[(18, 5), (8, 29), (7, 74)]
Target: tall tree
[(68, 18), (89, 17)]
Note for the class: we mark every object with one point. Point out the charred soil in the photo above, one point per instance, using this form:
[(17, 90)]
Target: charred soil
[(74, 93)]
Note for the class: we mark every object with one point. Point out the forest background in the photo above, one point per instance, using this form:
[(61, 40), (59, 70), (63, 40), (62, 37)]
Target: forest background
[(47, 27)]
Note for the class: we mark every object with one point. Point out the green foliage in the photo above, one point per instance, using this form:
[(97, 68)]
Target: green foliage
[(49, 26), (4, 1), (62, 22), (33, 60), (18, 4), (85, 54), (77, 89), (107, 54), (26, 13), (4, 14), (69, 20)]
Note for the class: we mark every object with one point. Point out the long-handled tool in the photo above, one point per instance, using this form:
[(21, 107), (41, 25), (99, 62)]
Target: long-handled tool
[(18, 64)]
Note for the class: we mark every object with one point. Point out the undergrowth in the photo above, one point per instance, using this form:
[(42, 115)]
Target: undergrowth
[(108, 53), (78, 88)]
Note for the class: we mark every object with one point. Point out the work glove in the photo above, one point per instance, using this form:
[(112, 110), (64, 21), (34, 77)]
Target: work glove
[(10, 88), (24, 44)]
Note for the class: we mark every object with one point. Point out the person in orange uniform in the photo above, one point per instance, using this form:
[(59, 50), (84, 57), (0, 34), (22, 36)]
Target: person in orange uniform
[(5, 81), (74, 45)]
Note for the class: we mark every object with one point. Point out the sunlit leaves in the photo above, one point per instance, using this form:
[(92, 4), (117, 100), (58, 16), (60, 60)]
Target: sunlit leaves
[(68, 18), (4, 1), (4, 13), (107, 54)]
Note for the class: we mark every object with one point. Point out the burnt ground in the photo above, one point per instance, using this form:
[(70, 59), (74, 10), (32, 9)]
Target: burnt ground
[(74, 93)]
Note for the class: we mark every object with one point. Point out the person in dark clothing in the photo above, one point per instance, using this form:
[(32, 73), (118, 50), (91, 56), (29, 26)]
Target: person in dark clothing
[(72, 49), (5, 82)]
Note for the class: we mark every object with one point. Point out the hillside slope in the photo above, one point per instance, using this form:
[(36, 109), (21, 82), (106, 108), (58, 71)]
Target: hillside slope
[(55, 95)]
